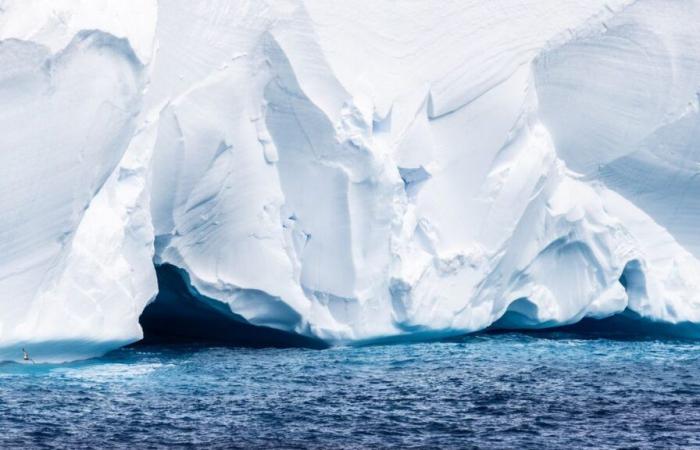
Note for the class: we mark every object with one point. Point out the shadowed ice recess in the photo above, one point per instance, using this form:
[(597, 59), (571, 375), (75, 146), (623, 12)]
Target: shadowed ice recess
[(179, 314)]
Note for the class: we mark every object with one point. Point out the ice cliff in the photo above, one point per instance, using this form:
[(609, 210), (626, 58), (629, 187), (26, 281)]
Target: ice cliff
[(345, 171)]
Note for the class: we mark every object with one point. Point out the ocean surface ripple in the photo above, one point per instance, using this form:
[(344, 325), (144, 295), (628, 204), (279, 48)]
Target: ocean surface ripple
[(508, 390)]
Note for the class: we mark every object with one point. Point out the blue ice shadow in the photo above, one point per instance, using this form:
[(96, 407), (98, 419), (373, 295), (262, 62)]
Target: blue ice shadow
[(627, 325), (179, 315)]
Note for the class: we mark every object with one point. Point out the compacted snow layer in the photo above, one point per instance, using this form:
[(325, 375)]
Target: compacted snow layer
[(344, 171)]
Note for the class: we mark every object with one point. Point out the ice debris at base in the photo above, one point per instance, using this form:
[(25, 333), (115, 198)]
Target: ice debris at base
[(348, 170)]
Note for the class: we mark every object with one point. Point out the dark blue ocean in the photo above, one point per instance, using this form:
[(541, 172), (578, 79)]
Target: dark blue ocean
[(509, 390)]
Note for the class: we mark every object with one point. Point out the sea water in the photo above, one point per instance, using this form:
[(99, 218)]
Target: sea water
[(507, 390)]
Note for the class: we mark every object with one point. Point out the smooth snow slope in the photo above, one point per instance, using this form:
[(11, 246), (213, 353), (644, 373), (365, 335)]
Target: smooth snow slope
[(346, 170)]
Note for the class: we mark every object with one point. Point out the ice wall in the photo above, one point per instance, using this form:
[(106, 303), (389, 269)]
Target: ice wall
[(346, 171)]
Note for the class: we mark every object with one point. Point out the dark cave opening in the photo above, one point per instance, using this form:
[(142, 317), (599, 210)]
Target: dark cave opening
[(625, 325), (180, 315)]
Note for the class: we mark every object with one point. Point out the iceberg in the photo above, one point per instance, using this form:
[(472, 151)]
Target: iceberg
[(327, 173)]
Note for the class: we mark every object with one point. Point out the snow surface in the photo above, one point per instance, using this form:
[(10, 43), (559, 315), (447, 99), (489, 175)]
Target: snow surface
[(346, 170)]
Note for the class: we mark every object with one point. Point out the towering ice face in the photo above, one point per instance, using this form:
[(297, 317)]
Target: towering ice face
[(345, 171), (66, 119)]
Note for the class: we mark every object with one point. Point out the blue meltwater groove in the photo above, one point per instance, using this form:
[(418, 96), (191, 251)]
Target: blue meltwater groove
[(495, 390)]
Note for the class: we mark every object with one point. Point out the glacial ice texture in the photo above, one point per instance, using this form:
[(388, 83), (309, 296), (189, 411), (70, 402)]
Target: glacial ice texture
[(345, 172)]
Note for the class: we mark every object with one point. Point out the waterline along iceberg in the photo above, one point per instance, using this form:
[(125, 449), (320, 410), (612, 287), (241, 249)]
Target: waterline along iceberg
[(345, 171)]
